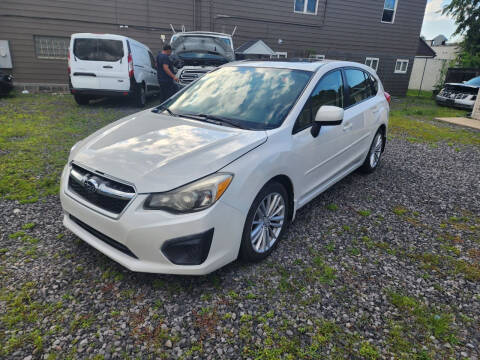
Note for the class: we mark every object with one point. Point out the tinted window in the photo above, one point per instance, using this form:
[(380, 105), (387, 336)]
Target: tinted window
[(152, 60), (98, 49), (329, 91), (258, 98), (358, 86), (373, 83)]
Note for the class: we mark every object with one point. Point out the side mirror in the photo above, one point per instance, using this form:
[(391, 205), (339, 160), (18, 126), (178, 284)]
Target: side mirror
[(327, 115)]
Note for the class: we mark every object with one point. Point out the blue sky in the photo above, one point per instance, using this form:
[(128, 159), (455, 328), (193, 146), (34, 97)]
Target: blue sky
[(434, 23)]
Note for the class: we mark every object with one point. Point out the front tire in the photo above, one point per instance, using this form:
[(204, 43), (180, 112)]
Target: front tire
[(374, 154), (81, 99), (266, 222)]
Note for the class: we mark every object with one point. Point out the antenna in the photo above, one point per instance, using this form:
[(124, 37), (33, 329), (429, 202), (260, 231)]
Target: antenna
[(234, 29), (173, 29)]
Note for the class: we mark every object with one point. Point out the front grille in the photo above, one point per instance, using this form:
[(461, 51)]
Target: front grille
[(113, 243), (188, 76), (111, 204)]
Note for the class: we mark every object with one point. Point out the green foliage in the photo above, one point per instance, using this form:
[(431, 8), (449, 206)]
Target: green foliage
[(466, 14)]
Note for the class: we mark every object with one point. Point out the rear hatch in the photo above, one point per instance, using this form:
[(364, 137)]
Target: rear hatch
[(99, 63)]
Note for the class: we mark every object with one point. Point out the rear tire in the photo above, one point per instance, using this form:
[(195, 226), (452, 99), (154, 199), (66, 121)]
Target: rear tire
[(140, 96), (81, 99), (374, 154), (263, 231)]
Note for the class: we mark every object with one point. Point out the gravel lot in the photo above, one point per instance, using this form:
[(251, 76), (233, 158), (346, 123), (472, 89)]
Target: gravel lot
[(380, 266)]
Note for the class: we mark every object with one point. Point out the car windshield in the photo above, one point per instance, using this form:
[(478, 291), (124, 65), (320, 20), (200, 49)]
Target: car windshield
[(474, 82), (252, 97)]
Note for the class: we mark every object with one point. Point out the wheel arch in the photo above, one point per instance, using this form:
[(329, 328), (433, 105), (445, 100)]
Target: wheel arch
[(383, 130), (286, 182)]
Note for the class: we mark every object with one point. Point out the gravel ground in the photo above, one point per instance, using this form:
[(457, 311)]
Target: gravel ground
[(379, 266)]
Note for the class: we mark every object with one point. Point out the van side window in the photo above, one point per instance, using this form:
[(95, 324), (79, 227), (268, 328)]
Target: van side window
[(152, 60), (358, 86), (329, 91)]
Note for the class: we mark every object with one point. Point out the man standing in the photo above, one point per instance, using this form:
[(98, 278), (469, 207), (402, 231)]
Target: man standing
[(166, 77)]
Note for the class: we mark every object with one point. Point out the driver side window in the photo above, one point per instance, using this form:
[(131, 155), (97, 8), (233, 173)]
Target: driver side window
[(329, 91)]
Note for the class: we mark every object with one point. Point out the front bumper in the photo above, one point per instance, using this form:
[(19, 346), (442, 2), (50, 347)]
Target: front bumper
[(458, 103), (145, 232)]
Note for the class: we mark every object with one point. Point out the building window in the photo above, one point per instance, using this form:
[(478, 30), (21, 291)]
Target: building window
[(389, 10), (372, 62), (305, 6), (279, 55), (317, 57), (401, 66), (51, 47)]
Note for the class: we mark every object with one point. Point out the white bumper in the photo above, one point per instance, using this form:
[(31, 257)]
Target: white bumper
[(144, 232)]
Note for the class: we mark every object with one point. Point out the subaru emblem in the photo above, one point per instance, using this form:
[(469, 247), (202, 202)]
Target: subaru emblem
[(90, 185)]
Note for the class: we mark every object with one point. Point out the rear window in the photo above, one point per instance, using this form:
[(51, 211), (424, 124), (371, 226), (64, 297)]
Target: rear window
[(98, 49)]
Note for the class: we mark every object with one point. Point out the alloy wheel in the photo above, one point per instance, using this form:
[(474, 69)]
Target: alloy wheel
[(267, 222), (376, 151)]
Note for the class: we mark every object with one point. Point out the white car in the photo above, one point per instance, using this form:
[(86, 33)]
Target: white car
[(105, 65), (219, 170)]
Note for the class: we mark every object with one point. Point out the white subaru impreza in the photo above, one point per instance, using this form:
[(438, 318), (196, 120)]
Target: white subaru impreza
[(219, 169)]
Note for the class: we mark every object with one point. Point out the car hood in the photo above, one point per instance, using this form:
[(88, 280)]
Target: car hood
[(158, 153)]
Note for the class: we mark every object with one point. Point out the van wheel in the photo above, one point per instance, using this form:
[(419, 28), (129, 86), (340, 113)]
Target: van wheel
[(374, 154), (140, 96), (81, 99), (266, 222)]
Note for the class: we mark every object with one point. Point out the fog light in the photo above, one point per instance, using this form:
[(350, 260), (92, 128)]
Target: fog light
[(189, 250)]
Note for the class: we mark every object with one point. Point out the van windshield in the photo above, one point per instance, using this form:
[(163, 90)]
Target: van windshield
[(98, 49)]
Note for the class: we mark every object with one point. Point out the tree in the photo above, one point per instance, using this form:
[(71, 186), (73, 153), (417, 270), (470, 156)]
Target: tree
[(466, 14)]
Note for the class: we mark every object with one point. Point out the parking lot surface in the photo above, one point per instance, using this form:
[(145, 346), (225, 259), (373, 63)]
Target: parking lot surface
[(379, 266)]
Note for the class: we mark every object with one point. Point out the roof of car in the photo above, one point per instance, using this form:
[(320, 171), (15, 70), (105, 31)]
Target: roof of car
[(295, 65)]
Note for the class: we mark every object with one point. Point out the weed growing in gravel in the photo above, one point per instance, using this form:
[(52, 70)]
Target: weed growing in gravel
[(332, 207), (430, 319), (364, 213), (399, 210), (20, 315), (368, 351)]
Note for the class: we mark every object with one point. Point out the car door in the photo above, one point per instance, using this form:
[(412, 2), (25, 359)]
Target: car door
[(362, 107), (99, 63), (320, 159)]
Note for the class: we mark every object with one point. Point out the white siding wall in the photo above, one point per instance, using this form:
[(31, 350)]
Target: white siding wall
[(433, 69)]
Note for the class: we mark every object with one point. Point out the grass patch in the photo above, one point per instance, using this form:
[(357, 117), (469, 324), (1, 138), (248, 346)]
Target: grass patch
[(430, 319), (36, 134), (413, 116)]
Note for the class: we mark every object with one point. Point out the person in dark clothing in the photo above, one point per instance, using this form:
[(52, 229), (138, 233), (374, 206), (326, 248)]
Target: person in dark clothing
[(165, 75)]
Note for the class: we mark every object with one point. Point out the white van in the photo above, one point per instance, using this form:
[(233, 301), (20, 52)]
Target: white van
[(102, 65)]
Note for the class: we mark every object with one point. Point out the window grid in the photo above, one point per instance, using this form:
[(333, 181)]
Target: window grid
[(401, 66), (372, 62), (302, 7), (51, 47)]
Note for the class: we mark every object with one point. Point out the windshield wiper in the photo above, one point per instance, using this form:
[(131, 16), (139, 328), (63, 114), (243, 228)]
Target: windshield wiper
[(221, 119), (164, 108)]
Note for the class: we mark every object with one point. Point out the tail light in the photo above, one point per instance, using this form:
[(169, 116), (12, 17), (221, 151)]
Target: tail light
[(388, 97), (68, 57), (130, 66)]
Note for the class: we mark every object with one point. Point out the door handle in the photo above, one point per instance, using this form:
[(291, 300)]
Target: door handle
[(347, 126), (108, 67)]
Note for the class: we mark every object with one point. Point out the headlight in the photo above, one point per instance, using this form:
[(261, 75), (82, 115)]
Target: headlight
[(196, 196)]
